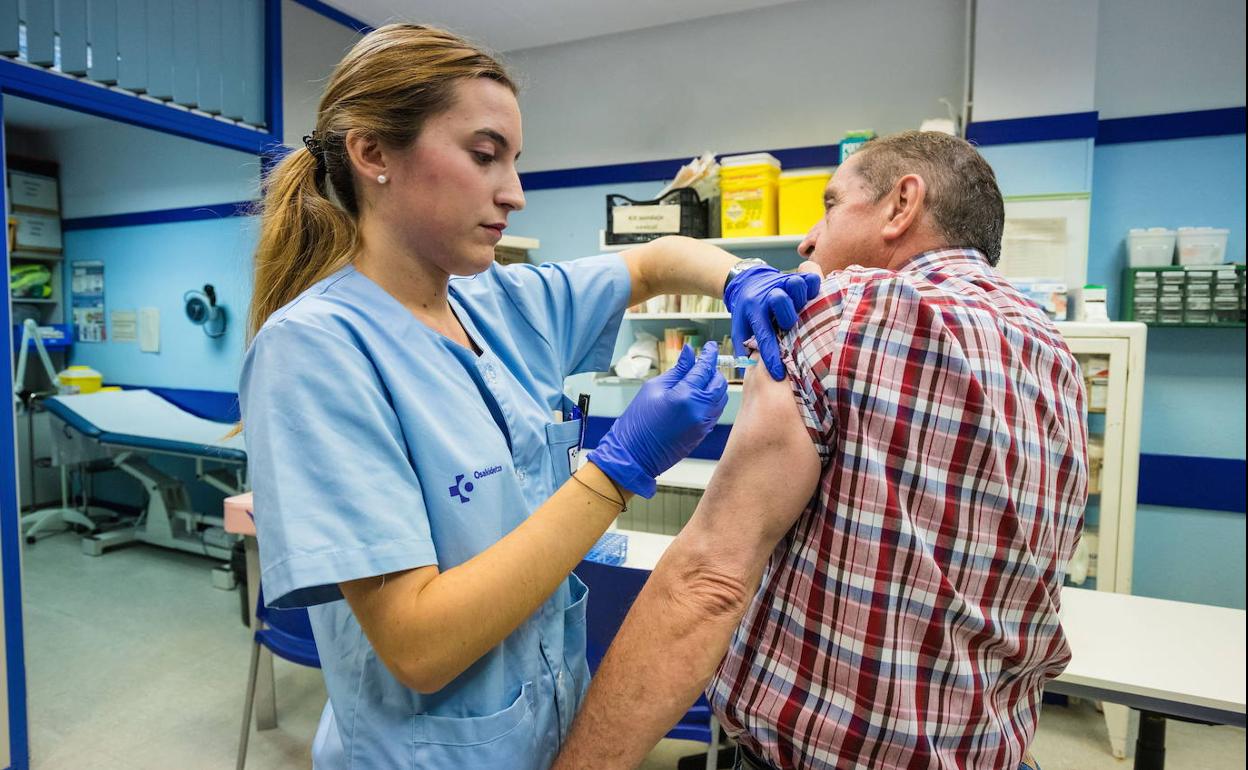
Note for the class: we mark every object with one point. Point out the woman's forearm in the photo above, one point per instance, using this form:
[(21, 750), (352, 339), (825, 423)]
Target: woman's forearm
[(428, 631), (675, 264)]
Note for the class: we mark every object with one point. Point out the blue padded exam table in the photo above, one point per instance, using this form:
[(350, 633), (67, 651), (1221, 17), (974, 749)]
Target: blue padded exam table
[(125, 425)]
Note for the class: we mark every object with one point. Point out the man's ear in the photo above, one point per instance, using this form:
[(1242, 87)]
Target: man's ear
[(906, 206)]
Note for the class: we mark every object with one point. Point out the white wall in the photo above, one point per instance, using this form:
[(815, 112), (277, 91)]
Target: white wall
[(112, 168), (787, 76), (311, 46), (1156, 56), (1034, 58)]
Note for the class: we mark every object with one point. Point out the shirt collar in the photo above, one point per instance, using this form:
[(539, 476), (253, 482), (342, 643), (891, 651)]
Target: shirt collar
[(938, 259)]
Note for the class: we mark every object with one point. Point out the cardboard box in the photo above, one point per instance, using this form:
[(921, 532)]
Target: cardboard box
[(37, 232), (33, 191)]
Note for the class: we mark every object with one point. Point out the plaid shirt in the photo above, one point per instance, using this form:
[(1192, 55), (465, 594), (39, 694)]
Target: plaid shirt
[(909, 619)]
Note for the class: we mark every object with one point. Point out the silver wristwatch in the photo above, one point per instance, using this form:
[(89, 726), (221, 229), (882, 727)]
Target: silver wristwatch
[(741, 267)]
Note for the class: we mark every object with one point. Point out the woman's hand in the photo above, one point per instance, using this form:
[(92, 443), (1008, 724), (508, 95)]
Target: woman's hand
[(665, 422), (761, 295)]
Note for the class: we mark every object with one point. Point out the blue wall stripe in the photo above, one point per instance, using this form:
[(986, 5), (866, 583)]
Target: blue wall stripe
[(51, 88), (1209, 483), (10, 547), (1174, 125), (1043, 128), (333, 14), (662, 170), (189, 214)]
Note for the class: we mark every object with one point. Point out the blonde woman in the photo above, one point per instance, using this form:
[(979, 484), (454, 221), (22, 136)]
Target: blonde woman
[(411, 487)]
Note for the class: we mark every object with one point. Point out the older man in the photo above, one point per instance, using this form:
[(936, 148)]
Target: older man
[(910, 523)]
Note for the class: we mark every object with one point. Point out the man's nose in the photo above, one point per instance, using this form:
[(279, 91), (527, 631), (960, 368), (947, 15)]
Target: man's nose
[(807, 247)]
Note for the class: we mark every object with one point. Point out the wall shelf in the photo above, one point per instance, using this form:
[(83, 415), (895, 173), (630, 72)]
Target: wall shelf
[(766, 242), (34, 301), (677, 316), (36, 256)]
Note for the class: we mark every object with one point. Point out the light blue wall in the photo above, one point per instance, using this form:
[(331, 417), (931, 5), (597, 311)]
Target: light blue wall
[(1041, 168), (152, 266), (1194, 381), (1176, 183), (1189, 555)]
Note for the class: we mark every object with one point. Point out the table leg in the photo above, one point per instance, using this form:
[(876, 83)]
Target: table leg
[(1118, 724), (1150, 747), (266, 691)]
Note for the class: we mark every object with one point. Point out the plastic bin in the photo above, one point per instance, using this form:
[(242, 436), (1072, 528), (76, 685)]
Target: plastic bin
[(801, 199), (1202, 245), (679, 212), (1153, 247), (749, 187), (84, 378)]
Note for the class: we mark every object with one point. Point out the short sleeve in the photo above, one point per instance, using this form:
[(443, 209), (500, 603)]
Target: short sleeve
[(576, 306), (336, 497), (810, 351)]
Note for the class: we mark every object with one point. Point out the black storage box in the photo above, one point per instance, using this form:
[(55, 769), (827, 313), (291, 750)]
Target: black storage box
[(679, 212)]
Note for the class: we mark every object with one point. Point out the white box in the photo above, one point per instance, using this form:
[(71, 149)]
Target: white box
[(33, 191), (1202, 245), (37, 232), (1153, 247)]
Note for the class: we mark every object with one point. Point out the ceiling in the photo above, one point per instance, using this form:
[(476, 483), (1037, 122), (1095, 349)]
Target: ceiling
[(520, 24)]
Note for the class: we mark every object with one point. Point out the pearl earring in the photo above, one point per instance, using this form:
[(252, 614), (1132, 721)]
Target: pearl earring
[(382, 179)]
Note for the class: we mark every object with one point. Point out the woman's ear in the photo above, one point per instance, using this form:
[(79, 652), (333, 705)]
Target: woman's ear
[(906, 205), (365, 153)]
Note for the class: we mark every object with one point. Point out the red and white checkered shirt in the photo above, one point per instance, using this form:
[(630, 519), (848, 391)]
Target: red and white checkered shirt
[(909, 619)]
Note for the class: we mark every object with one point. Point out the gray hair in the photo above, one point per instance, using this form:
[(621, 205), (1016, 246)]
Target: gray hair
[(962, 193)]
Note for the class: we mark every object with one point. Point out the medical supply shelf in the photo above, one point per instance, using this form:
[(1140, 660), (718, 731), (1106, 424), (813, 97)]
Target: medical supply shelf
[(1185, 296), (730, 244), (677, 316)]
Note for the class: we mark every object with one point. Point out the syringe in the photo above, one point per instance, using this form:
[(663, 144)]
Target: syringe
[(736, 362)]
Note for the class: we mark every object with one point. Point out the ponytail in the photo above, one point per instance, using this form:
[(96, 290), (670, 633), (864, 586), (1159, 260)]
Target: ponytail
[(304, 236)]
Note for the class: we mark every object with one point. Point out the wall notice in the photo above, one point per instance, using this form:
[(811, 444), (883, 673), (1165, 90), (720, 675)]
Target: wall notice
[(87, 297)]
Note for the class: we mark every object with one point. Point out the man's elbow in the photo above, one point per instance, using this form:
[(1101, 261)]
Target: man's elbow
[(707, 588)]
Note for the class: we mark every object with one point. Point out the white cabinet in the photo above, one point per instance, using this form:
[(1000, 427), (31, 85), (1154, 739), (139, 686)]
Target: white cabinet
[(1115, 401)]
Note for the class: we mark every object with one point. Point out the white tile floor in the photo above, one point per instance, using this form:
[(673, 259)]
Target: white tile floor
[(135, 661)]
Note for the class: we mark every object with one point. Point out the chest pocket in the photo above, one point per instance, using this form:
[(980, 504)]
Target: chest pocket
[(563, 442)]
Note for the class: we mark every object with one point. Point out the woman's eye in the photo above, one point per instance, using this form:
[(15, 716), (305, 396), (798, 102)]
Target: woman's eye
[(483, 157)]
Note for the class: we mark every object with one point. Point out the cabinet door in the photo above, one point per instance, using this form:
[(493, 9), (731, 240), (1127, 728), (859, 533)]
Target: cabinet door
[(1107, 418)]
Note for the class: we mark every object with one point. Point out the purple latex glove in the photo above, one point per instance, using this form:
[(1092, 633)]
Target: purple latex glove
[(760, 295), (665, 422)]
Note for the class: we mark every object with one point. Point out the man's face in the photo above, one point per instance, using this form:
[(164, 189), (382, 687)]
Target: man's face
[(849, 232)]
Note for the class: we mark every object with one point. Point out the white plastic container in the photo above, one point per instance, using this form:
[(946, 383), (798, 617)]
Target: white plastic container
[(1153, 247), (1202, 245)]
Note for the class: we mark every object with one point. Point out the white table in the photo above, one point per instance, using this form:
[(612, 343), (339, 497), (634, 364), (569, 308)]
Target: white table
[(1167, 659)]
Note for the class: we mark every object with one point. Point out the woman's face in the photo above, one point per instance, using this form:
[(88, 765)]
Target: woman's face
[(451, 192)]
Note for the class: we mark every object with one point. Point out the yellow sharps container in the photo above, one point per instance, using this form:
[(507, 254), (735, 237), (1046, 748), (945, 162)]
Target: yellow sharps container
[(749, 188), (801, 199), (84, 378)]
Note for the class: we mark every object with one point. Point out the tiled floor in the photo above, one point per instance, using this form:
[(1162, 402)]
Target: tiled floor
[(135, 661)]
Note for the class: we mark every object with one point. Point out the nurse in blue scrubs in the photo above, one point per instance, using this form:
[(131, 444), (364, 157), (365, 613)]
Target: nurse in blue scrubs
[(412, 486)]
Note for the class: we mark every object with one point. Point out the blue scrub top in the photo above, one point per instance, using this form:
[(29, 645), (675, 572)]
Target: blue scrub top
[(377, 445)]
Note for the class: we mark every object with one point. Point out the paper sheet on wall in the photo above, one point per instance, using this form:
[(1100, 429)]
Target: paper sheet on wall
[(1034, 247), (149, 330), (125, 325)]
